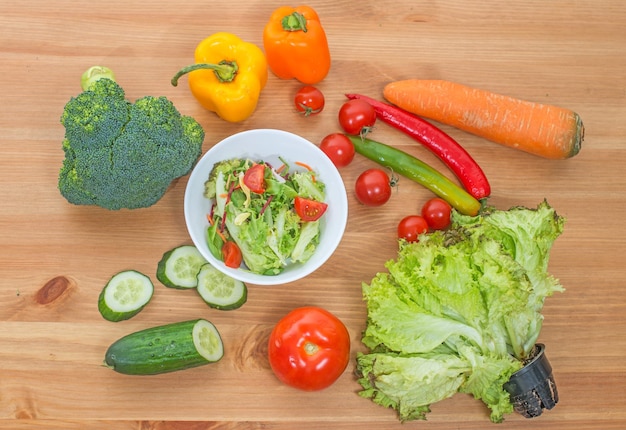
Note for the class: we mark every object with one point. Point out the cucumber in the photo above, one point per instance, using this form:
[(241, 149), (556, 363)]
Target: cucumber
[(219, 290), (125, 295), (166, 348), (179, 267)]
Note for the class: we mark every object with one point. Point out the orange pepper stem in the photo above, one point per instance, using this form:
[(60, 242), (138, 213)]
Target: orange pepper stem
[(294, 22), (225, 71)]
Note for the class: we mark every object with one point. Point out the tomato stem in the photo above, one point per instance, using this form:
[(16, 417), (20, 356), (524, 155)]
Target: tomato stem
[(310, 348), (308, 111)]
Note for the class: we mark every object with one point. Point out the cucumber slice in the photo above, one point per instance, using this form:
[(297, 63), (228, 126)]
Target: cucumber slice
[(125, 295), (179, 267), (219, 290), (207, 341), (166, 348)]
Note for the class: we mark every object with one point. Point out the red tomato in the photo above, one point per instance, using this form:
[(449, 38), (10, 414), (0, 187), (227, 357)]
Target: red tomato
[(309, 348), (338, 148), (410, 227), (309, 100), (231, 254), (373, 187), (254, 178), (357, 117), (309, 210), (436, 212)]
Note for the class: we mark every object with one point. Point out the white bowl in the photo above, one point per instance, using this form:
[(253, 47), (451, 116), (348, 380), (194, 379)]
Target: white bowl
[(267, 145)]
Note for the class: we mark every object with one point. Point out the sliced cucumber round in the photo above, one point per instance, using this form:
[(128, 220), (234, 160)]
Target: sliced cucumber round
[(125, 295), (208, 341), (219, 290), (166, 348), (179, 267)]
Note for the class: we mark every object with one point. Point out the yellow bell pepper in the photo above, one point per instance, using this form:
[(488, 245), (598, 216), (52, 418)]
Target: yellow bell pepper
[(228, 76)]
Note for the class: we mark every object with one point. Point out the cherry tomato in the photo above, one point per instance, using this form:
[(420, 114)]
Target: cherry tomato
[(373, 187), (309, 210), (254, 178), (309, 100), (410, 227), (309, 348), (357, 117), (436, 212), (338, 148), (231, 254)]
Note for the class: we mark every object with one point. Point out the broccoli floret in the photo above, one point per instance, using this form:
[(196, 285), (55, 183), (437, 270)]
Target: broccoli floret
[(120, 154), (95, 117), (225, 167)]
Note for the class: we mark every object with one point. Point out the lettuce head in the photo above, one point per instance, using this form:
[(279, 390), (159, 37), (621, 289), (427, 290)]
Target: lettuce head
[(459, 311)]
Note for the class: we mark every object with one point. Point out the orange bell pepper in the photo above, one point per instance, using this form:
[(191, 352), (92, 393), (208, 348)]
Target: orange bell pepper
[(296, 46)]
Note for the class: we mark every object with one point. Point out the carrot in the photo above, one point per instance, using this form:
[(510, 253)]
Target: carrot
[(209, 218), (540, 129), (306, 166)]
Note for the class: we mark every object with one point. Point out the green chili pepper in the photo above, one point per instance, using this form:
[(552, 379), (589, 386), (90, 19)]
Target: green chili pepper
[(410, 167)]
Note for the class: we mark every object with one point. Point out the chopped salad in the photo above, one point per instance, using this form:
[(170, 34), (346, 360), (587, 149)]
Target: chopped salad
[(271, 214)]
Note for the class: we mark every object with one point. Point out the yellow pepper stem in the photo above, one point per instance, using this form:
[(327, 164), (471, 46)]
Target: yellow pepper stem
[(93, 74), (294, 22), (225, 71)]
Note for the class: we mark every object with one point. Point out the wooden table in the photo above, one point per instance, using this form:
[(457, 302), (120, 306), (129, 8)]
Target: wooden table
[(56, 257)]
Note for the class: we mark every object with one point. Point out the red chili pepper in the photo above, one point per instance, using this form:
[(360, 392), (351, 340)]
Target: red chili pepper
[(437, 141)]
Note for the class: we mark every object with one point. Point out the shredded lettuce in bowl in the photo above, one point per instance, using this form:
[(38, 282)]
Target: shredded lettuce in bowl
[(459, 311), (265, 226)]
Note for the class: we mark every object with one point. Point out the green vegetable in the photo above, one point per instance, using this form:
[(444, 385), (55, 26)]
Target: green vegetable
[(220, 291), (92, 74), (120, 154), (459, 311), (125, 295), (410, 167), (224, 167), (166, 348), (179, 267), (265, 226)]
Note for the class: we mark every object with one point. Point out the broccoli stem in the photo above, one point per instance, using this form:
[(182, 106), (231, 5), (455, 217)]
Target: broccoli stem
[(225, 71), (94, 73)]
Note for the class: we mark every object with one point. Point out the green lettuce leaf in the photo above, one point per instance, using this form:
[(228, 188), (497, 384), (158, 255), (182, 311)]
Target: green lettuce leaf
[(307, 242), (397, 381), (469, 298), (307, 185)]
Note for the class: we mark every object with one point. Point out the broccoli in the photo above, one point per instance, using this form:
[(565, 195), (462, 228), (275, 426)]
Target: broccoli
[(120, 154), (226, 167)]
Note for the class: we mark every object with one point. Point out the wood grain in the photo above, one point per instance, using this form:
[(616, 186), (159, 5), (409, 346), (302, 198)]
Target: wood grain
[(56, 257)]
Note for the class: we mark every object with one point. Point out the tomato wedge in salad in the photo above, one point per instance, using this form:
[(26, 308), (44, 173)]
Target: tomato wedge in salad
[(254, 178), (309, 210), (231, 254)]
